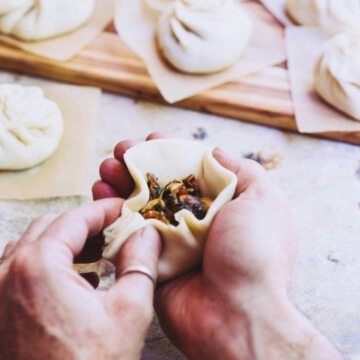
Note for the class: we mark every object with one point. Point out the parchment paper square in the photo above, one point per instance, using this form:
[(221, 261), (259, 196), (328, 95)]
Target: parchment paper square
[(69, 171), (313, 115), (136, 24), (65, 47)]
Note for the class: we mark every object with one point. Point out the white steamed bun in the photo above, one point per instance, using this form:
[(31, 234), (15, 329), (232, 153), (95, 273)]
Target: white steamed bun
[(332, 16), (11, 5), (158, 4), (337, 73), (33, 20), (31, 127), (203, 36)]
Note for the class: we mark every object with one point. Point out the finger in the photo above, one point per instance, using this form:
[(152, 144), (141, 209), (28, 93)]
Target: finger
[(156, 135), (141, 249), (121, 148), (248, 171), (68, 233), (102, 190), (116, 174), (226, 160)]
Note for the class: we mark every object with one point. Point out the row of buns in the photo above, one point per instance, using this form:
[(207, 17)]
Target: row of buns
[(194, 36)]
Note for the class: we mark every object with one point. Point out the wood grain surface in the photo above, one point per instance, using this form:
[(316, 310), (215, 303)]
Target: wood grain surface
[(263, 98)]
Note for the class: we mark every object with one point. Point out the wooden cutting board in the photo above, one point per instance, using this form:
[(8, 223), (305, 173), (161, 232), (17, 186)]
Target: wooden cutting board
[(108, 63)]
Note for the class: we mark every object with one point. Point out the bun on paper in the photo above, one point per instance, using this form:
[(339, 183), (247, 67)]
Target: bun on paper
[(34, 20), (203, 36), (337, 73), (31, 127)]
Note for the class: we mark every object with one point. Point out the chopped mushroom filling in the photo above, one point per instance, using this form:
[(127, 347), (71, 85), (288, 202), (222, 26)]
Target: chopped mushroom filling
[(176, 195)]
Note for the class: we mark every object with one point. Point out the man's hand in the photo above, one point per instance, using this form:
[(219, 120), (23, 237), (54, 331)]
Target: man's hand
[(48, 311), (237, 305)]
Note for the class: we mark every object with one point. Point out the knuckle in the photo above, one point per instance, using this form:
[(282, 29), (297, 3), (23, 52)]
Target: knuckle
[(41, 218), (22, 264)]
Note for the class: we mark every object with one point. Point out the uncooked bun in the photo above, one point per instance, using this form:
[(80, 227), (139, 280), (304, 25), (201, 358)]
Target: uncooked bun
[(170, 159), (337, 73), (332, 16), (203, 36), (158, 4), (161, 4), (31, 127), (33, 20), (11, 5)]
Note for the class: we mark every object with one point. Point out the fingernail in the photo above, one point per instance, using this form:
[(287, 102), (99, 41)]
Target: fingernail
[(220, 150)]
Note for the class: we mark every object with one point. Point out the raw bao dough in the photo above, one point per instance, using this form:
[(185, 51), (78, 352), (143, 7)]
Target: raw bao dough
[(168, 159), (31, 127), (11, 5), (33, 20), (332, 16), (203, 36), (161, 4), (158, 4), (337, 73)]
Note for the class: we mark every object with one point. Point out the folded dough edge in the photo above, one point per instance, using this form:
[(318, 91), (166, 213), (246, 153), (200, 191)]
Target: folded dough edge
[(168, 159)]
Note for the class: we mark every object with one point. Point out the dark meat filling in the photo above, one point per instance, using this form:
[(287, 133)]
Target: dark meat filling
[(175, 196)]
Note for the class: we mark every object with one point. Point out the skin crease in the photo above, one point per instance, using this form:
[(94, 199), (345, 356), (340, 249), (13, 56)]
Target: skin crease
[(237, 305)]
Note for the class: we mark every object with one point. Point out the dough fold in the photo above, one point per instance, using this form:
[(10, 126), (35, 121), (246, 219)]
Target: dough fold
[(171, 159)]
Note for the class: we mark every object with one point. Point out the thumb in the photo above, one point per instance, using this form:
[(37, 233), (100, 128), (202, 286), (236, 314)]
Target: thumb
[(133, 291)]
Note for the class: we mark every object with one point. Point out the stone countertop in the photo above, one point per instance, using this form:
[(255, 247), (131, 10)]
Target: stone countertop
[(321, 178)]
